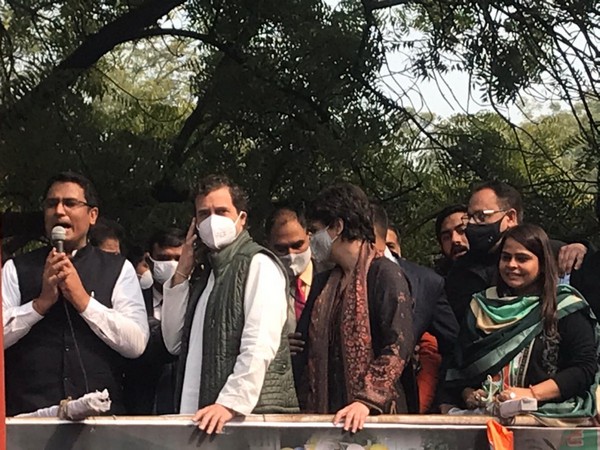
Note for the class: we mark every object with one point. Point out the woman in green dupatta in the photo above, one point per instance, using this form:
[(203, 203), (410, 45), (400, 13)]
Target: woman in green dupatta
[(526, 337)]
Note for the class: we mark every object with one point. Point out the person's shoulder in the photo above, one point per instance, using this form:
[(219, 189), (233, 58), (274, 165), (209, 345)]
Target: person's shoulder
[(35, 256), (421, 271), (575, 321), (320, 276), (266, 261), (263, 257), (383, 268), (36, 253), (383, 263), (474, 262)]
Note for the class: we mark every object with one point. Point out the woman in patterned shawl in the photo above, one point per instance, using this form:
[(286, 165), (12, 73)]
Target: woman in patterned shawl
[(360, 335), (527, 337)]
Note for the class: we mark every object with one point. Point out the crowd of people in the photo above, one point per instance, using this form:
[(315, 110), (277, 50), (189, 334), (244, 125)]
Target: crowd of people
[(327, 316)]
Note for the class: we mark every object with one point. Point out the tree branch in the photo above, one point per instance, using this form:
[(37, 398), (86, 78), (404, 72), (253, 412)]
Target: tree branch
[(121, 30)]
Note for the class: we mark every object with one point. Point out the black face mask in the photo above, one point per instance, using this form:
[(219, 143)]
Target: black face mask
[(483, 237)]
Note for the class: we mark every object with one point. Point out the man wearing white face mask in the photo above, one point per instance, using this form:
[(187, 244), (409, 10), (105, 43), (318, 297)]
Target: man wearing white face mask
[(148, 383), (287, 236), (243, 364), (165, 249)]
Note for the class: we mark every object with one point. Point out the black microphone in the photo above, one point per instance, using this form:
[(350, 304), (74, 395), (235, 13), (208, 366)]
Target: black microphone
[(58, 236)]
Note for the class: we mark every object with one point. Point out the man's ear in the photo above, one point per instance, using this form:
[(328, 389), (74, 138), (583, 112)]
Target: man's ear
[(243, 218), (93, 214), (512, 219)]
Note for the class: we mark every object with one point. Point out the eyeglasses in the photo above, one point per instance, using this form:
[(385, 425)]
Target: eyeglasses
[(480, 217), (68, 203)]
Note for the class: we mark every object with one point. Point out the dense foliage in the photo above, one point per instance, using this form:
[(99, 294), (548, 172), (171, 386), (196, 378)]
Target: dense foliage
[(146, 96)]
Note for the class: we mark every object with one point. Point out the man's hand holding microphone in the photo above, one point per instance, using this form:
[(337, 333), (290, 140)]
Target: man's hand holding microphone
[(60, 274)]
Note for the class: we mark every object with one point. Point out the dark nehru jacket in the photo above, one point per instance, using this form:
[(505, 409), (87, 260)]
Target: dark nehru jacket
[(43, 367)]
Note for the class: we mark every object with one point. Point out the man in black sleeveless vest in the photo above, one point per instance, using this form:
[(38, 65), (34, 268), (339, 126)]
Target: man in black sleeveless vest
[(230, 327), (69, 317)]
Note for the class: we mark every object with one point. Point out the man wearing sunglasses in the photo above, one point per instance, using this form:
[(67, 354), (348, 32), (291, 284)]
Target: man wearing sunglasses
[(69, 317), (493, 208)]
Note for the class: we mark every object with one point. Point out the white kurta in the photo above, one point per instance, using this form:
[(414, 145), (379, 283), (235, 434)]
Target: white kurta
[(265, 310), (124, 327)]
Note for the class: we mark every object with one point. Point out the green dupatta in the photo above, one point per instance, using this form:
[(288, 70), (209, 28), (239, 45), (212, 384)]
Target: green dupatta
[(479, 354)]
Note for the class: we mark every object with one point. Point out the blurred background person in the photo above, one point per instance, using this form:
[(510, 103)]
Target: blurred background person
[(150, 380), (108, 236), (392, 240), (450, 234), (435, 327)]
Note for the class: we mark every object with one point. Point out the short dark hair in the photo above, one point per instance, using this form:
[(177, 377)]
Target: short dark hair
[(105, 229), (211, 183), (349, 203), (380, 219), (171, 237), (136, 255), (396, 231), (447, 211), (282, 209), (89, 192), (508, 196)]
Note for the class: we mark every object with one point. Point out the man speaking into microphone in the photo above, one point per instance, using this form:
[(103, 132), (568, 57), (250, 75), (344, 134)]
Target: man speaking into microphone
[(71, 312)]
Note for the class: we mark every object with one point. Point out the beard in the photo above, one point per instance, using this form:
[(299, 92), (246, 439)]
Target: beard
[(457, 250)]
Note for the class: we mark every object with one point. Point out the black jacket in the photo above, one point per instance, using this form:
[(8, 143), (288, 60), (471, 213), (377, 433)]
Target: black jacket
[(474, 273), (300, 360), (432, 312), (587, 280), (148, 382)]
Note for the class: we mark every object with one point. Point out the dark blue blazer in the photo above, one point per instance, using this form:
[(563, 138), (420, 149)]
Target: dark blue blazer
[(432, 312)]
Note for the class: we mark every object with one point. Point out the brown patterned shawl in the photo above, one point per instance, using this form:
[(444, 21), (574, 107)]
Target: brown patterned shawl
[(370, 381)]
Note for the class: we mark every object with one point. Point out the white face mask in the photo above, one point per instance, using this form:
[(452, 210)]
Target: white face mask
[(163, 270), (296, 263), (218, 231), (320, 244), (146, 280)]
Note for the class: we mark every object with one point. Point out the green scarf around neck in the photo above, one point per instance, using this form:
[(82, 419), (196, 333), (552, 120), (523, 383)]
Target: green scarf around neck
[(494, 313), (479, 353)]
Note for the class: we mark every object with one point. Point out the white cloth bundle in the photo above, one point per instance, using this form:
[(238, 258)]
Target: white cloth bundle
[(90, 404)]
